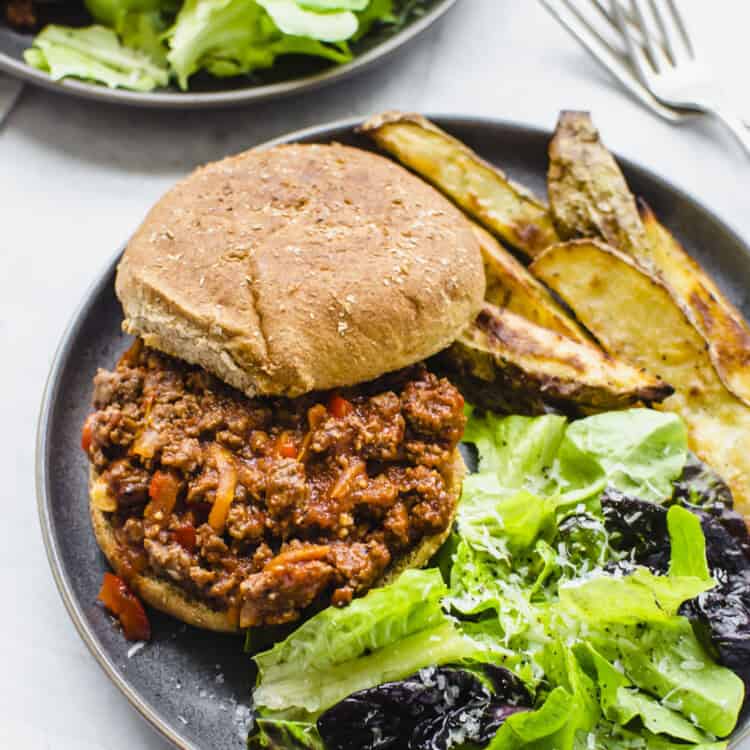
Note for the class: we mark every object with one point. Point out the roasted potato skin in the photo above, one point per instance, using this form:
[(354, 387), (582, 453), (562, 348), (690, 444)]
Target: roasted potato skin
[(635, 317), (719, 322), (589, 197), (512, 287), (587, 191), (480, 189), (516, 365)]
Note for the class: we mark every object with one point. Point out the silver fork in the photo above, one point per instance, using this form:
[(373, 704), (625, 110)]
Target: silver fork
[(591, 24), (669, 67)]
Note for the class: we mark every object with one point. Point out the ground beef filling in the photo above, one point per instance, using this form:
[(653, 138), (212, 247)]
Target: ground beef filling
[(261, 507)]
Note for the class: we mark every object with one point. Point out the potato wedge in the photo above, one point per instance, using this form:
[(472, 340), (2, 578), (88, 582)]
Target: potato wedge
[(635, 317), (590, 198), (479, 188), (722, 326), (512, 287), (528, 367), (588, 194)]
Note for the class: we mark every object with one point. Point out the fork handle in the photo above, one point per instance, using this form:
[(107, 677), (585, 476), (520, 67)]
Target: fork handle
[(734, 122)]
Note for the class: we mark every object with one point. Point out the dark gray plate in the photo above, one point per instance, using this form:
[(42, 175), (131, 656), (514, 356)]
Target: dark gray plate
[(213, 675), (290, 75)]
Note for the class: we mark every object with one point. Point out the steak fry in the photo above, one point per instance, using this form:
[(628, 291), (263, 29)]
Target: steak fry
[(635, 317), (588, 194), (511, 286), (483, 191), (590, 198), (509, 364)]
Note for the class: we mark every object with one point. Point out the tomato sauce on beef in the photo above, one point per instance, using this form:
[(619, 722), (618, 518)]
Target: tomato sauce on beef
[(268, 506)]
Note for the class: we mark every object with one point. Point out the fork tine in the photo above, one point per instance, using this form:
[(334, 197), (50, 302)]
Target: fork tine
[(635, 51), (665, 35), (592, 28), (616, 62), (680, 23), (639, 18)]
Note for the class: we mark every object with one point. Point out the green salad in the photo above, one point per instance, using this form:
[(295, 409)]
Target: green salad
[(145, 44), (571, 609)]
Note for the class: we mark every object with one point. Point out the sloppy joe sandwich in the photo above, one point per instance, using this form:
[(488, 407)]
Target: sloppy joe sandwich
[(272, 441)]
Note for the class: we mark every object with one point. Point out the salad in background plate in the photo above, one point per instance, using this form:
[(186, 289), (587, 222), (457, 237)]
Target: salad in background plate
[(594, 595), (142, 45)]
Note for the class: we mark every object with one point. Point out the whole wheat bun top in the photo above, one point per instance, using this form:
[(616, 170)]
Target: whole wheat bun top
[(300, 268)]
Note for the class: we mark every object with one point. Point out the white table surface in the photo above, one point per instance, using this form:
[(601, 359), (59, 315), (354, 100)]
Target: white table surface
[(77, 177)]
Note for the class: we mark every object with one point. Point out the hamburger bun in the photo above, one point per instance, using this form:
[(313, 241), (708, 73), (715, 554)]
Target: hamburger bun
[(165, 596), (301, 268)]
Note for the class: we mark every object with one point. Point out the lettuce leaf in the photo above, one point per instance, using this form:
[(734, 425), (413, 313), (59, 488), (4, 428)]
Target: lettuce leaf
[(638, 597), (378, 11), (327, 5), (224, 37), (383, 616), (480, 584), (688, 545), (386, 635), (112, 12), (503, 524), (94, 53), (308, 692), (611, 736), (546, 585), (641, 451), (667, 660), (232, 37), (622, 703), (642, 596), (292, 18), (140, 24), (562, 668), (519, 451), (279, 734)]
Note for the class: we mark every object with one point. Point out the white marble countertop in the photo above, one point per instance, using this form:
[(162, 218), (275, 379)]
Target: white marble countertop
[(77, 177)]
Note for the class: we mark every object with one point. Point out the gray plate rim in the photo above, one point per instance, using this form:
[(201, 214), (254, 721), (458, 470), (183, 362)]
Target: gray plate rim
[(448, 122), (188, 100)]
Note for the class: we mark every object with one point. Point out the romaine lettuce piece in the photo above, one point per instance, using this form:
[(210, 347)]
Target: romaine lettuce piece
[(563, 669), (667, 660), (291, 18), (537, 729), (232, 37), (279, 734), (94, 53), (638, 597), (611, 736), (386, 635), (622, 703), (381, 11), (383, 616), (307, 692), (327, 5), (519, 451), (112, 12), (145, 32), (503, 524), (642, 451), (688, 545)]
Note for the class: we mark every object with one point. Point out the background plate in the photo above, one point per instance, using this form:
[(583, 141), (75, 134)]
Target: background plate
[(194, 686), (290, 75)]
